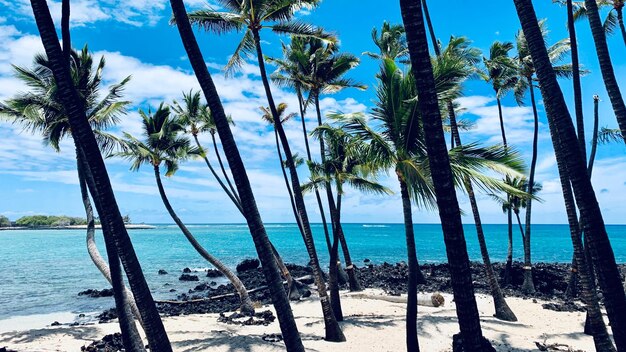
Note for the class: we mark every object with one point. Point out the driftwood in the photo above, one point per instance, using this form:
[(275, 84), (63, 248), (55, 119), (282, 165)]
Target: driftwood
[(423, 299), (543, 346), (232, 294)]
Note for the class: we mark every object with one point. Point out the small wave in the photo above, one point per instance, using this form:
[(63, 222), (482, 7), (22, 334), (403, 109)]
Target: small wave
[(367, 225)]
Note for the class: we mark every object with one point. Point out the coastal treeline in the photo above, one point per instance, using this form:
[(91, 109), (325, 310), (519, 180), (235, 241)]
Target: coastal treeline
[(413, 133)]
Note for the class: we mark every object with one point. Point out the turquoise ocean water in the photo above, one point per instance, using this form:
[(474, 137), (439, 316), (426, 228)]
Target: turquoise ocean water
[(42, 271)]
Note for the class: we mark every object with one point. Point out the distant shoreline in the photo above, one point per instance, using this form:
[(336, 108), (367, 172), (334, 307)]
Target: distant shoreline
[(76, 227)]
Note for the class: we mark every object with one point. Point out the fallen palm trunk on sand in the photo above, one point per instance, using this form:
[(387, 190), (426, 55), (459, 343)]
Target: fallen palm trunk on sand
[(423, 299)]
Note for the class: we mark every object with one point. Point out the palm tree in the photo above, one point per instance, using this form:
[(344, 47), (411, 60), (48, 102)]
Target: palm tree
[(163, 145), (391, 42), (41, 111), (614, 17), (259, 235), (525, 83), (99, 185), (458, 53), (275, 15), (344, 163), (565, 144), (602, 51), (516, 202), (441, 172)]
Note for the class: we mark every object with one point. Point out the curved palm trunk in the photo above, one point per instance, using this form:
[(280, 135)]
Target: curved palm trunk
[(332, 329), (606, 66), (412, 343), (594, 137), (431, 30), (578, 100), (105, 202), (261, 241), (620, 20), (219, 160), (92, 249), (567, 151), (246, 303), (502, 309), (502, 131), (449, 212), (229, 192), (65, 29), (529, 286)]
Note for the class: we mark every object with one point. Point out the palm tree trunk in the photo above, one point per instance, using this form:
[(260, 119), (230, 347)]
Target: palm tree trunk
[(519, 223), (502, 309), (246, 307), (567, 151), (412, 343), (65, 29), (229, 192), (620, 20), (606, 66), (353, 279), (528, 286), (316, 190), (219, 160), (288, 186), (333, 277), (332, 330), (105, 202), (261, 241), (304, 133), (502, 131), (92, 249), (509, 253), (594, 137), (572, 283), (431, 30), (594, 321), (449, 212), (578, 100)]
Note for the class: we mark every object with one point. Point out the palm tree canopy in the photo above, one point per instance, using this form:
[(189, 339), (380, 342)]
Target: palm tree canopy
[(391, 42), (195, 115), (500, 69), (520, 199), (161, 142), (611, 20), (40, 109), (251, 17)]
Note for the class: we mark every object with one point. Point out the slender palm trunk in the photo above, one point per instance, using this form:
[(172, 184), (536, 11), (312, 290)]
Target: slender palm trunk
[(578, 100), (219, 160), (287, 323), (509, 253), (449, 212), (65, 29), (502, 309), (104, 199), (594, 137), (620, 20), (500, 115), (567, 151), (288, 185), (227, 190), (332, 329), (333, 277), (606, 66), (344, 245), (431, 30), (316, 190), (528, 286), (246, 303), (92, 249), (412, 343)]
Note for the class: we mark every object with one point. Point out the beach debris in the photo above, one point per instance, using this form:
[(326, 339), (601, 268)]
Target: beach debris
[(107, 292), (272, 337), (187, 277), (423, 299), (248, 264), (55, 323), (213, 273), (567, 306), (260, 318), (543, 346), (162, 272)]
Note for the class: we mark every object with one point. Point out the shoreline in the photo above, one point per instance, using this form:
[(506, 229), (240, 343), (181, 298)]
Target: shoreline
[(75, 227)]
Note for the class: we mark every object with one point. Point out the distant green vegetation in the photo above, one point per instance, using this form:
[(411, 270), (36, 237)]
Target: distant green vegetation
[(49, 221), (4, 221)]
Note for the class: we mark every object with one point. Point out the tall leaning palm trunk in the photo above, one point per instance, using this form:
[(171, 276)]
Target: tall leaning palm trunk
[(566, 149), (332, 330), (606, 66), (502, 309), (105, 202), (246, 307), (262, 244), (449, 212)]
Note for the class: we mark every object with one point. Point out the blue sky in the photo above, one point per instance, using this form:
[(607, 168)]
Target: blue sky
[(136, 40)]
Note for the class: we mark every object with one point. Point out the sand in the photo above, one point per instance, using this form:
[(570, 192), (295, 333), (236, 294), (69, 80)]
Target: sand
[(370, 325)]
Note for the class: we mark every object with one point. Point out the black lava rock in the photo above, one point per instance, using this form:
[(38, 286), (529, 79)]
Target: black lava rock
[(109, 343), (107, 292), (248, 264), (186, 271), (213, 273), (187, 277), (162, 272), (107, 315)]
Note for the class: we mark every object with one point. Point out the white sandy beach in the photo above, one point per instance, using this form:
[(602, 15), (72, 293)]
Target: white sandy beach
[(370, 325)]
